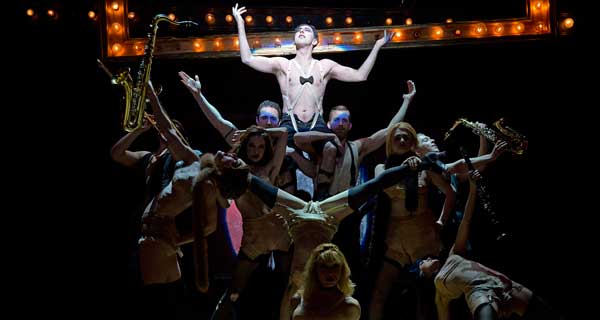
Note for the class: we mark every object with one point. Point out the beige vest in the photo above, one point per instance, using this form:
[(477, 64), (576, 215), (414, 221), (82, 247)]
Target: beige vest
[(342, 174)]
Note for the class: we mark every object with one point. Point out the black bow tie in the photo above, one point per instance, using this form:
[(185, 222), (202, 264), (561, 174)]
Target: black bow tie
[(309, 79)]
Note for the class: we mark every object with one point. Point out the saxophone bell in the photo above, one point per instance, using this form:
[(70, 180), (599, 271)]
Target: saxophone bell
[(517, 143)]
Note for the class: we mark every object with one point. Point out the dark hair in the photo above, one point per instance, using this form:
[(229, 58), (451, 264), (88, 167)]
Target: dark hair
[(340, 108), (313, 28), (242, 148), (415, 268), (233, 182), (269, 103)]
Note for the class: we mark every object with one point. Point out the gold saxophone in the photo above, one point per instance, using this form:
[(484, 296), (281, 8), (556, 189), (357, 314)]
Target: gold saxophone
[(517, 143), (135, 97)]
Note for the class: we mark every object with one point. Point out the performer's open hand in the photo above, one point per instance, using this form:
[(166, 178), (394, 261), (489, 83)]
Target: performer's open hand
[(387, 36), (237, 14), (193, 84)]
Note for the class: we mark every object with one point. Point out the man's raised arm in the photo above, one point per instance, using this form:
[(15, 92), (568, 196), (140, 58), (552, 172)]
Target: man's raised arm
[(262, 64), (348, 74)]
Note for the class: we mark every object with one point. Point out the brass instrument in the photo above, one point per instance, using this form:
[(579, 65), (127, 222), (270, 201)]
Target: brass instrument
[(135, 97), (517, 143)]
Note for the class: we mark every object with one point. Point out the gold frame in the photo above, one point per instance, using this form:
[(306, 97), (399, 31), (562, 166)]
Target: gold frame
[(535, 25)]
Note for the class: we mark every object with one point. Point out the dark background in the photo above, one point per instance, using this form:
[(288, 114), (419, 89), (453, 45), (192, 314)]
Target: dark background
[(78, 202)]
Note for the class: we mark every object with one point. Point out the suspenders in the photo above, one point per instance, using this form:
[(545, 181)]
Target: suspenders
[(311, 91)]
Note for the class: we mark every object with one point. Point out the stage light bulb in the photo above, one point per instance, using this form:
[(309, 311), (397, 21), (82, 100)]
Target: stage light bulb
[(210, 18), (116, 27)]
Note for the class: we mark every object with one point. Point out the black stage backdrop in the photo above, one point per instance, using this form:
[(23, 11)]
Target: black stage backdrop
[(69, 117)]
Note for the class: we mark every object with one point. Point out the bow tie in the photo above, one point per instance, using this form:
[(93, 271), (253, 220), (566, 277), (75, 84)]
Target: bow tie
[(309, 79)]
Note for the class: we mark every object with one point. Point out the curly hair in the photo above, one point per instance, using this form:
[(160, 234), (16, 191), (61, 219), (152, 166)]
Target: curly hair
[(327, 254), (242, 149)]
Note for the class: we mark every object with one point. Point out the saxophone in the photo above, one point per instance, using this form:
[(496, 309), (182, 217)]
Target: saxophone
[(135, 97), (517, 143)]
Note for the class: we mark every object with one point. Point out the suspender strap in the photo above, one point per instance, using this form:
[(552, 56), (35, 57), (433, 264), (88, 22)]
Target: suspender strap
[(352, 166)]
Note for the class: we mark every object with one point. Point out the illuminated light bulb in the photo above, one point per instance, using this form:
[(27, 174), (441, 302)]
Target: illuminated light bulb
[(408, 21), (289, 19), (329, 20), (480, 28), (398, 34), (237, 42), (538, 5), (277, 40), (217, 43), (117, 47), (115, 5), (210, 18), (358, 36), (539, 26), (449, 20), (30, 12), (269, 19), (499, 29), (337, 39), (229, 18), (51, 13), (457, 32), (568, 23), (172, 16), (249, 19), (198, 46), (519, 27), (92, 15), (438, 32), (348, 20), (389, 21), (116, 27), (131, 15), (138, 47)]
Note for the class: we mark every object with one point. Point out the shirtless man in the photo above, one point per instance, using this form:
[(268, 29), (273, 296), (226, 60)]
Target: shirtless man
[(302, 80)]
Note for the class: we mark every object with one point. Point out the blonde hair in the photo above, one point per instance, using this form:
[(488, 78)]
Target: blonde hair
[(326, 254), (389, 138)]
